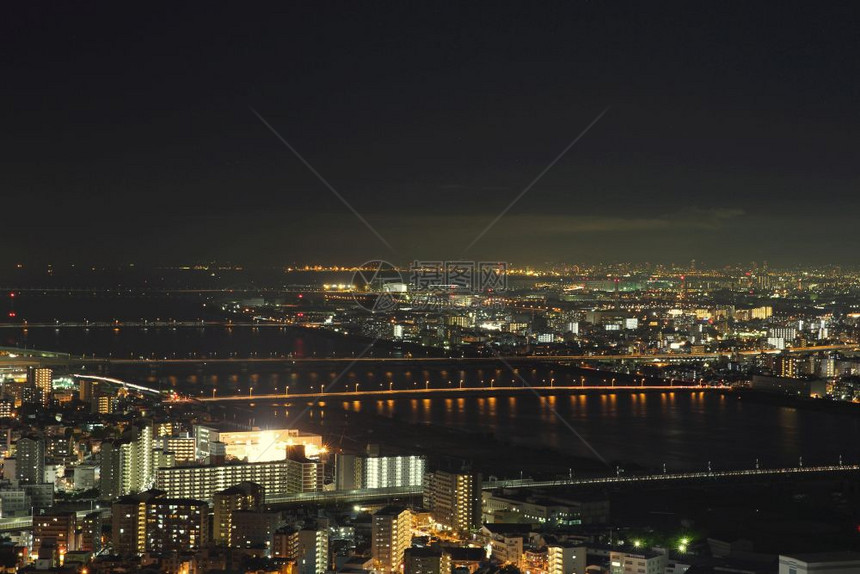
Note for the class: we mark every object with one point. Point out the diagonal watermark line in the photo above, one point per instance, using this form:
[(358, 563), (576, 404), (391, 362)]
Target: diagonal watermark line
[(537, 179), (323, 180), (554, 412)]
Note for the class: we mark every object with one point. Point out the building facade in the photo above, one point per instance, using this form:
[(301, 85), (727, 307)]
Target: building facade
[(127, 464), (454, 500), (391, 535), (242, 496), (30, 460), (276, 478), (176, 524)]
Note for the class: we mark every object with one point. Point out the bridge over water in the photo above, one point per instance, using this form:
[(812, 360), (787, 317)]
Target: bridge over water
[(446, 391), (50, 358), (673, 477)]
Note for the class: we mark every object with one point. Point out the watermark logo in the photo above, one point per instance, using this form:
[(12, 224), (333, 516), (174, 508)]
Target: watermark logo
[(465, 276), (378, 286)]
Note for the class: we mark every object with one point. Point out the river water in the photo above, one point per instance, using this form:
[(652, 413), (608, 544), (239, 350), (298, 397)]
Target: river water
[(682, 429)]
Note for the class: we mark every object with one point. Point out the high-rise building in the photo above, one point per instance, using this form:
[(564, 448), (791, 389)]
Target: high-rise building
[(391, 535), (303, 474), (127, 464), (285, 543), (454, 500), (60, 448), (761, 312), (827, 367), (102, 404), (363, 471), (786, 366), (86, 389), (787, 333), (30, 460), (32, 395), (41, 378), (91, 532), (163, 459), (242, 496), (348, 470), (149, 522), (254, 529), (312, 552), (176, 524), (57, 529), (182, 447), (128, 522), (277, 478)]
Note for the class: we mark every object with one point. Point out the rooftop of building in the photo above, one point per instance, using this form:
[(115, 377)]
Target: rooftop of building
[(180, 501), (638, 552), (225, 464), (390, 510), (139, 497), (823, 557)]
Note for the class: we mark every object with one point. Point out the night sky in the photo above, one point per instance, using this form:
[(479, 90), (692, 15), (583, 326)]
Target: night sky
[(128, 135)]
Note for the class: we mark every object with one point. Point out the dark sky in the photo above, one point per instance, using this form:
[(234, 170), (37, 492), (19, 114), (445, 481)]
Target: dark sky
[(127, 133)]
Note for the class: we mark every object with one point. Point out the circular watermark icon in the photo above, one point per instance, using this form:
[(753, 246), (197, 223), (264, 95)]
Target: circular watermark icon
[(378, 286)]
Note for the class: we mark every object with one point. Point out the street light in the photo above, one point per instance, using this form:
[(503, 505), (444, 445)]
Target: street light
[(356, 387)]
